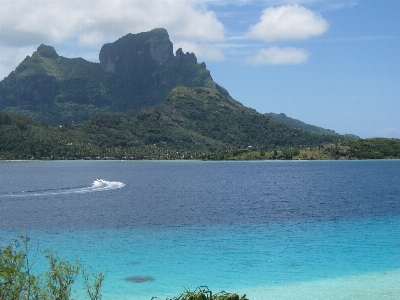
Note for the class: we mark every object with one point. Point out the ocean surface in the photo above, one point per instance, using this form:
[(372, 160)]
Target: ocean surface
[(271, 230)]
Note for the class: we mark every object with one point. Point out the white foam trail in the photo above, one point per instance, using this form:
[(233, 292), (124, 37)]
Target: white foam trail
[(97, 186)]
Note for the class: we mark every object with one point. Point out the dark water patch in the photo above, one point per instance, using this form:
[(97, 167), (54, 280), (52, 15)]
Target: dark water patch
[(139, 279), (225, 249), (134, 263), (250, 263)]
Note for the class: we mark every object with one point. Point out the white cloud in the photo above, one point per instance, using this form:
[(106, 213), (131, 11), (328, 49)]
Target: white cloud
[(86, 25), (208, 52), (278, 56), (321, 4), (11, 57), (92, 38), (289, 22), (23, 22)]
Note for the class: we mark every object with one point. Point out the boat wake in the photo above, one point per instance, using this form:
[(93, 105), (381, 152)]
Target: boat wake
[(97, 186)]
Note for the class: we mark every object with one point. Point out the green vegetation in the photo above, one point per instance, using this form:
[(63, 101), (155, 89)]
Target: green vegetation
[(192, 123), (18, 282), (376, 148), (198, 120), (203, 293), (172, 131)]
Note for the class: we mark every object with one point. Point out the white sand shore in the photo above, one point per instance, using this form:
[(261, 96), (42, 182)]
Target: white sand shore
[(381, 285)]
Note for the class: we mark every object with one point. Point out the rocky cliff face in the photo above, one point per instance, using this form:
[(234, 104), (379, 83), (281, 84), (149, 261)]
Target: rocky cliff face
[(31, 86), (135, 53)]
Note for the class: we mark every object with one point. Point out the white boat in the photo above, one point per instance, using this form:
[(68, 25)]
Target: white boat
[(100, 180)]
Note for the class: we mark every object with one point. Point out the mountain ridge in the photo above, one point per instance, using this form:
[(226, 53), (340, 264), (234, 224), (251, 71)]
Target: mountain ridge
[(301, 125)]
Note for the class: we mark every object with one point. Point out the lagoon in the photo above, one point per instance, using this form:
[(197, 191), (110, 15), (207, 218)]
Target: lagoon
[(272, 230)]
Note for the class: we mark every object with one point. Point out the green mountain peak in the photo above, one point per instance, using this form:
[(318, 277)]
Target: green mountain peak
[(135, 71), (47, 51)]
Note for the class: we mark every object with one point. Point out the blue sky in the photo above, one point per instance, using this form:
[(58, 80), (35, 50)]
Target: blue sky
[(330, 63)]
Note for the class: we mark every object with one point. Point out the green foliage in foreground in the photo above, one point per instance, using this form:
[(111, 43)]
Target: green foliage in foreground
[(203, 293), (17, 281)]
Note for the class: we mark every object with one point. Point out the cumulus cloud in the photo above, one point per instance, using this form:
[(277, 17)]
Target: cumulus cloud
[(205, 51), (278, 56), (82, 27), (288, 22), (91, 38), (25, 22), (11, 57)]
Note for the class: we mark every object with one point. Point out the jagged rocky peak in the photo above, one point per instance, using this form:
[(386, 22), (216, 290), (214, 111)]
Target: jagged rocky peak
[(47, 51), (180, 56), (137, 52)]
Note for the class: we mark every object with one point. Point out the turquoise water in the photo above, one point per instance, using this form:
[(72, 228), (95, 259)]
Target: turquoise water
[(234, 258), (320, 230)]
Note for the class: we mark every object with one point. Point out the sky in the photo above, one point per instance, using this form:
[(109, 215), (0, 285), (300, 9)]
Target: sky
[(329, 63)]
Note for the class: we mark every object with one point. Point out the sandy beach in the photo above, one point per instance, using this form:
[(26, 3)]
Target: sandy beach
[(380, 285)]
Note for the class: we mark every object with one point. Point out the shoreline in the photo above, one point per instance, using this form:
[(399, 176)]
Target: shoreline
[(370, 286), (188, 159)]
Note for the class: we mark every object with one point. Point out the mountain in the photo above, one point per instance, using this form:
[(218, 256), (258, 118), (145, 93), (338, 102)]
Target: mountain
[(136, 71), (301, 125), (139, 96), (198, 119), (189, 119)]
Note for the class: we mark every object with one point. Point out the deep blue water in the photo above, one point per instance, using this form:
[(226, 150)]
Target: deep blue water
[(235, 226)]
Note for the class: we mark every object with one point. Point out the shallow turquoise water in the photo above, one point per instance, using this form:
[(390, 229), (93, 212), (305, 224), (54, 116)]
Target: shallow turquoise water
[(233, 258)]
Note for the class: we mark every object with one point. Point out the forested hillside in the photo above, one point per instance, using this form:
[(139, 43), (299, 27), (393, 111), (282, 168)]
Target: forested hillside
[(179, 129)]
